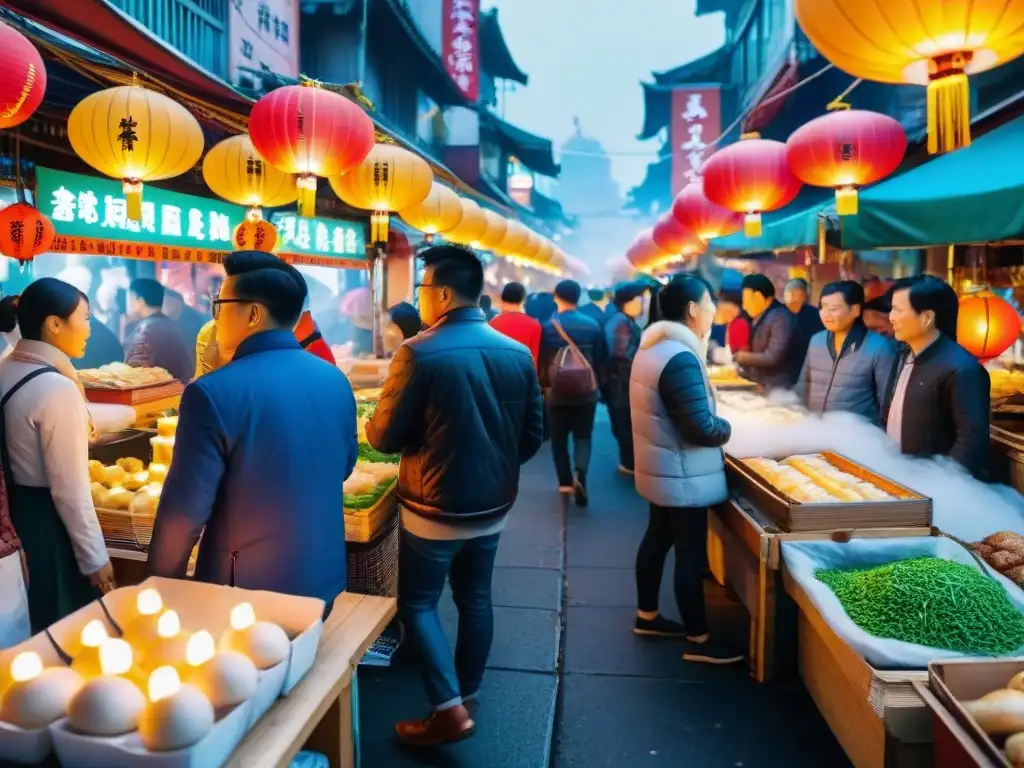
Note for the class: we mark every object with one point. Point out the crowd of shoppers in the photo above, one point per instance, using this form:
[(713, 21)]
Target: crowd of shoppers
[(256, 479)]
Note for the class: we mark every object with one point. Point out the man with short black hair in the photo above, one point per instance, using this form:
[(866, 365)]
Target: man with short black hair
[(263, 447), (156, 341), (488, 307), (514, 322), (598, 309), (796, 297), (571, 409), (771, 360), (462, 404)]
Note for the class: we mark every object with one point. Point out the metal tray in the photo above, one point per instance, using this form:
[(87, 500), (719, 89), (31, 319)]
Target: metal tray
[(909, 509)]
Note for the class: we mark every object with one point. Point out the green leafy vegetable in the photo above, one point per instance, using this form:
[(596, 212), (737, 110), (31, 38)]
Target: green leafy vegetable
[(367, 500), (367, 453), (930, 601)]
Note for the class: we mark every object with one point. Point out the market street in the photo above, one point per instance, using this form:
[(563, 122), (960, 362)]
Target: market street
[(564, 599)]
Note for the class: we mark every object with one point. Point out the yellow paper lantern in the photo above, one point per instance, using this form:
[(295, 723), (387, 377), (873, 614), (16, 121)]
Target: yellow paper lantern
[(926, 42), (136, 135), (440, 211), (534, 244), (497, 226), (516, 240), (471, 228), (234, 170), (546, 253), (388, 180)]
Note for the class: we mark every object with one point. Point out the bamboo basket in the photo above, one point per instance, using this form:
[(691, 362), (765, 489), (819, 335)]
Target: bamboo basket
[(122, 529), (363, 525)]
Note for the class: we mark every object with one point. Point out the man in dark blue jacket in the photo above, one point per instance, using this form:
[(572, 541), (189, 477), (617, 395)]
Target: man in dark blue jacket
[(262, 449), (571, 413), (462, 404), (775, 358), (598, 309)]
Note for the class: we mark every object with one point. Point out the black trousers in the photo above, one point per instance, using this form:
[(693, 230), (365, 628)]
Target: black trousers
[(686, 529), (577, 421), (622, 428)]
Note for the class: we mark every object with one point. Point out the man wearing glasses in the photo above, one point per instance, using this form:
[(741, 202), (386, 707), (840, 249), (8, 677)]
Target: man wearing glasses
[(462, 404), (262, 449)]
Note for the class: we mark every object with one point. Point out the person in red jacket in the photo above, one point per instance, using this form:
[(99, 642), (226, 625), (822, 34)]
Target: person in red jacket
[(737, 324), (311, 339), (515, 323)]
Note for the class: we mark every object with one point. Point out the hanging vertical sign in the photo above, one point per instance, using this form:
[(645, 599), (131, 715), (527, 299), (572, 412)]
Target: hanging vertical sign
[(696, 122), (461, 40)]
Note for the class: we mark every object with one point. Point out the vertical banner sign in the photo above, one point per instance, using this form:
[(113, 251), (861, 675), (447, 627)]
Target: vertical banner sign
[(696, 122), (461, 40), (263, 37)]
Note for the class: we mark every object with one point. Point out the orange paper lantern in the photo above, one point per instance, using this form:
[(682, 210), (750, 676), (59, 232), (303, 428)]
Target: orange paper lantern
[(471, 228), (255, 234), (439, 212), (986, 325), (497, 226), (24, 232)]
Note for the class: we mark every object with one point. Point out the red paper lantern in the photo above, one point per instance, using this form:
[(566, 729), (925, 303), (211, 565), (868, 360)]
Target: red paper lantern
[(644, 253), (847, 149), (311, 132), (22, 77), (704, 218), (986, 325), (255, 235), (673, 236), (750, 177), (24, 232)]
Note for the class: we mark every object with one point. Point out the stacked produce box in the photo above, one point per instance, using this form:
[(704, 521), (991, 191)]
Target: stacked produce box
[(369, 490)]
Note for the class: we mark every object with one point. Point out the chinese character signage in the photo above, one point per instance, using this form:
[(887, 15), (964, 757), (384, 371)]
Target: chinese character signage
[(461, 45), (263, 36), (91, 207), (327, 239), (696, 122)]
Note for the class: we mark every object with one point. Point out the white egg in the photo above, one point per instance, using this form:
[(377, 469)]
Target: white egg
[(35, 703), (228, 679), (176, 722), (106, 706), (265, 643), (166, 651)]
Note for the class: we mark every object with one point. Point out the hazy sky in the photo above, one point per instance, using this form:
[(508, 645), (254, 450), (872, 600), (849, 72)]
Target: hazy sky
[(589, 63)]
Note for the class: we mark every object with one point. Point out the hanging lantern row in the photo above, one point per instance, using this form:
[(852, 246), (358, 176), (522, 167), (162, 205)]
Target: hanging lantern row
[(297, 134)]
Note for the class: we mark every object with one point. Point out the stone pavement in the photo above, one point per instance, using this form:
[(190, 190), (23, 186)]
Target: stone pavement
[(569, 684)]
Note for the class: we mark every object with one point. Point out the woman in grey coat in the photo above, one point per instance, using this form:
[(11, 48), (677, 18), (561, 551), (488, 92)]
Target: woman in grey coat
[(680, 467), (848, 367)]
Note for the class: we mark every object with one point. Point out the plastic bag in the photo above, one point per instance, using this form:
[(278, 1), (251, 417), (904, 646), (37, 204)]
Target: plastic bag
[(804, 558)]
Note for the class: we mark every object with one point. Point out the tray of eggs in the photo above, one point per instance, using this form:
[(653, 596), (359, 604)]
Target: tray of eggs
[(148, 684)]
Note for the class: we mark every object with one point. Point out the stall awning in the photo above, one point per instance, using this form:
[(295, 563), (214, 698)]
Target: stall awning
[(972, 195), (795, 226)]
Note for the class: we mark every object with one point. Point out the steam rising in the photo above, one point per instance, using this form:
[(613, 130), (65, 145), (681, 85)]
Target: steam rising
[(962, 506)]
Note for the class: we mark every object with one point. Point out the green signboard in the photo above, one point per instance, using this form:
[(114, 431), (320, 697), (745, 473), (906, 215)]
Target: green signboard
[(326, 238), (94, 208)]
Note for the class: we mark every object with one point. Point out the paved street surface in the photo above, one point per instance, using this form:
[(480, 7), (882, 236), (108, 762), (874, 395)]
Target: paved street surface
[(569, 684)]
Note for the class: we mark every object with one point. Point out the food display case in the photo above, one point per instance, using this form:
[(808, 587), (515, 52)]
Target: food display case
[(749, 406), (726, 378)]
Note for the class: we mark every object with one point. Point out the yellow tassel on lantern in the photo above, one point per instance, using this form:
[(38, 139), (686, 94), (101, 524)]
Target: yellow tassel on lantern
[(379, 226), (752, 225), (133, 199), (846, 201), (307, 195), (949, 104)]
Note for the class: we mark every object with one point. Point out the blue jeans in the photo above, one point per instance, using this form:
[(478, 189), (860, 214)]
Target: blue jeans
[(424, 566)]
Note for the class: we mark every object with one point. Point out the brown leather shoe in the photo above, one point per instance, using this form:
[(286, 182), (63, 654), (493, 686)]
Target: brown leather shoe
[(437, 729)]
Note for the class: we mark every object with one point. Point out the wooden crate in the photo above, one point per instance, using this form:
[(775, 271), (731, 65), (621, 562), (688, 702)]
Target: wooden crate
[(909, 509), (362, 525), (876, 715), (954, 746), (958, 680)]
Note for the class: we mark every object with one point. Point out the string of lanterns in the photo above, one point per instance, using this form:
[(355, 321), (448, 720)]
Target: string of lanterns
[(297, 135)]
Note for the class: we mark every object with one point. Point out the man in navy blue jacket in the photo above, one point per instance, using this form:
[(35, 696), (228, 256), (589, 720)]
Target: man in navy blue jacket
[(571, 413), (262, 449)]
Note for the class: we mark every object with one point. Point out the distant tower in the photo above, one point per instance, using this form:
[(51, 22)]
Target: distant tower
[(586, 184)]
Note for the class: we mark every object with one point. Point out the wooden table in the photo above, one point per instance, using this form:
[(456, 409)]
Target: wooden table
[(745, 552), (321, 712)]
